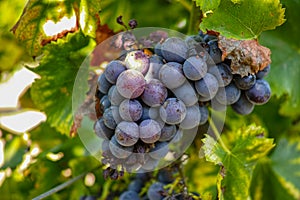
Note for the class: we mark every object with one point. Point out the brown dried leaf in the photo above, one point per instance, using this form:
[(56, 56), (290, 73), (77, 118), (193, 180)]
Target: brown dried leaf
[(247, 56)]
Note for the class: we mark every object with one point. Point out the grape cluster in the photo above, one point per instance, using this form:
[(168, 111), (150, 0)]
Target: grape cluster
[(148, 100), (159, 187)]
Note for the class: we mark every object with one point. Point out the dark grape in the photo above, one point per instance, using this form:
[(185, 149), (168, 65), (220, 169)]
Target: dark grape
[(244, 83), (155, 93), (156, 63), (113, 70), (167, 133), (207, 86), (149, 131), (215, 52), (171, 75), (222, 73), (118, 150), (159, 151), (229, 95), (114, 96), (131, 84), (155, 191), (127, 133), (173, 111), (130, 110), (194, 68), (192, 117), (174, 49), (260, 93), (262, 73), (243, 106), (104, 103), (103, 84), (129, 195), (204, 114), (103, 131)]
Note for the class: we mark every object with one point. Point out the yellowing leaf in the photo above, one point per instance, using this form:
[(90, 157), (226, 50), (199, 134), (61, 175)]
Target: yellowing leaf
[(247, 146)]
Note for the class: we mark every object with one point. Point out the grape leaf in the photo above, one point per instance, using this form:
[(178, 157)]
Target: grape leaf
[(13, 152), (286, 162), (208, 5), (265, 185), (237, 163), (29, 28), (88, 23), (244, 20), (284, 76), (58, 68)]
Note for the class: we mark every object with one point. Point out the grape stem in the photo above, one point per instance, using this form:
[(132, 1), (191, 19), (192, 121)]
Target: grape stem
[(218, 135), (195, 18)]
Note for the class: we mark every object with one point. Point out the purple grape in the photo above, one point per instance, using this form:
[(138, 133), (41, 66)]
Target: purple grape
[(131, 84), (109, 118), (155, 93), (103, 131), (186, 93), (129, 195), (113, 70), (192, 117), (244, 83), (160, 150), (114, 96), (171, 75), (222, 72), (207, 86), (138, 61), (127, 133), (149, 131), (173, 111), (104, 103), (194, 68), (243, 106), (174, 49), (260, 93), (130, 110), (155, 191), (150, 163), (262, 73), (215, 52), (204, 115), (118, 150), (229, 95), (167, 133), (156, 63), (103, 84)]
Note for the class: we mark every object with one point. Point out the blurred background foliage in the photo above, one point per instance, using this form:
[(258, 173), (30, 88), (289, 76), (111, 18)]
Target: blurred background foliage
[(37, 152)]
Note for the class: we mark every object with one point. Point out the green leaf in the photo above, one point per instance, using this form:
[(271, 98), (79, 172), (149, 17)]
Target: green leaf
[(90, 8), (13, 152), (246, 147), (286, 162), (265, 185), (285, 46), (244, 20), (208, 5), (58, 69)]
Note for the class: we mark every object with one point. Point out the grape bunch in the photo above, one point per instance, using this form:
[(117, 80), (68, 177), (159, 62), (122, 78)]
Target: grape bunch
[(149, 100), (157, 187)]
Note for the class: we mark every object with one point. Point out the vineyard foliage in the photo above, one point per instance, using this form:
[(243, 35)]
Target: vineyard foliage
[(256, 156)]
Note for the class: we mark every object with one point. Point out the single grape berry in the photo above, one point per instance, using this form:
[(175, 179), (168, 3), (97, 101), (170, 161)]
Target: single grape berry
[(194, 68), (243, 106), (222, 72), (156, 191), (244, 83), (155, 93), (131, 84), (171, 75), (118, 150), (228, 95), (130, 110), (127, 133), (113, 70), (207, 86), (260, 93), (262, 73), (138, 61), (132, 23), (129, 195), (103, 84), (102, 130), (174, 49), (173, 111), (149, 131)]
